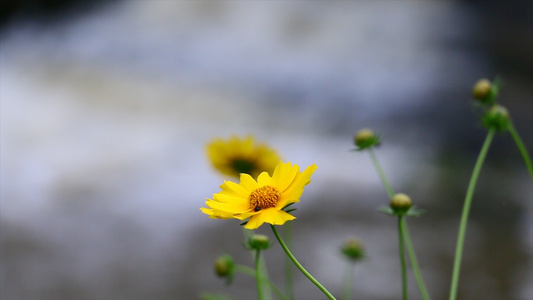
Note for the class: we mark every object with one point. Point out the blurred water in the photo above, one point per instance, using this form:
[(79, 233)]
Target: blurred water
[(105, 117)]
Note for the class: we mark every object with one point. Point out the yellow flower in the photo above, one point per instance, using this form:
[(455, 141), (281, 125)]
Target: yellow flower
[(263, 200), (235, 156)]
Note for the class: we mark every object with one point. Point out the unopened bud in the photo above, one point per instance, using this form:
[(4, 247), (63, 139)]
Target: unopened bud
[(482, 90), (497, 118), (259, 242), (224, 267), (400, 203), (353, 249), (365, 138)]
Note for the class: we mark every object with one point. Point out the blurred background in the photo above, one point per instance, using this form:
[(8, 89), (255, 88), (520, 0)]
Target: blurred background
[(106, 108)]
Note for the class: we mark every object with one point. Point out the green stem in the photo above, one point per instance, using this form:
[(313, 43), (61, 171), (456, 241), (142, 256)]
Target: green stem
[(299, 266), (522, 149), (402, 257), (252, 273), (348, 281), (289, 278), (258, 276), (414, 262), (406, 236), (267, 293), (381, 174), (464, 216)]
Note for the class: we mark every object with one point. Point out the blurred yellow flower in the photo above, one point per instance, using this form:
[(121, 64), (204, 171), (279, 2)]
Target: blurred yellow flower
[(261, 201), (241, 155)]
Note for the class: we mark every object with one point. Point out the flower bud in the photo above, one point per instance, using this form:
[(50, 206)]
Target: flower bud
[(225, 267), (365, 138), (353, 249), (258, 242), (482, 90), (497, 118), (400, 203)]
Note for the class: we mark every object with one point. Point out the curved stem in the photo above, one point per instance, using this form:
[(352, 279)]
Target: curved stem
[(252, 273), (402, 257), (381, 174), (522, 149), (299, 266), (258, 274), (414, 262), (464, 215)]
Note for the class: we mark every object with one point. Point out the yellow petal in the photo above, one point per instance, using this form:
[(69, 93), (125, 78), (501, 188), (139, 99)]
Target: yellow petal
[(230, 199), (248, 182), (232, 188), (230, 208), (270, 215), (283, 175), (293, 192), (263, 179), (254, 222), (215, 214)]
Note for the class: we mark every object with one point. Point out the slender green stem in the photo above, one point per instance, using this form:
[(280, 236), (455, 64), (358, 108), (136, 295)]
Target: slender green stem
[(258, 276), (522, 149), (299, 266), (348, 281), (464, 215), (381, 174), (404, 232), (407, 239), (289, 278), (252, 273), (414, 262), (267, 293), (402, 257)]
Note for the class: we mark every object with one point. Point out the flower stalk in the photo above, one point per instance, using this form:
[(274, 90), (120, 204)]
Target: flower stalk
[(348, 281), (289, 278), (258, 276), (414, 261), (353, 250), (522, 149), (404, 235), (252, 273), (299, 266), (267, 284), (466, 210), (402, 256), (388, 187)]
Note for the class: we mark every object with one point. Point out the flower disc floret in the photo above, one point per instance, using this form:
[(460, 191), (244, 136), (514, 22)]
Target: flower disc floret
[(264, 197), (262, 200)]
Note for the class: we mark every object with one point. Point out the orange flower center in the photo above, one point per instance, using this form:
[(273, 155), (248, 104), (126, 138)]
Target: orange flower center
[(264, 197)]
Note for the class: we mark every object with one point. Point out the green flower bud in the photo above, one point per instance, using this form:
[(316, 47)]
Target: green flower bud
[(497, 118), (400, 203), (225, 267), (365, 138), (353, 249), (258, 242)]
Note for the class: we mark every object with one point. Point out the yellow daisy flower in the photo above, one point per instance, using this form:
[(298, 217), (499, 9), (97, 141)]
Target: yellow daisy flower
[(261, 201), (235, 156)]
